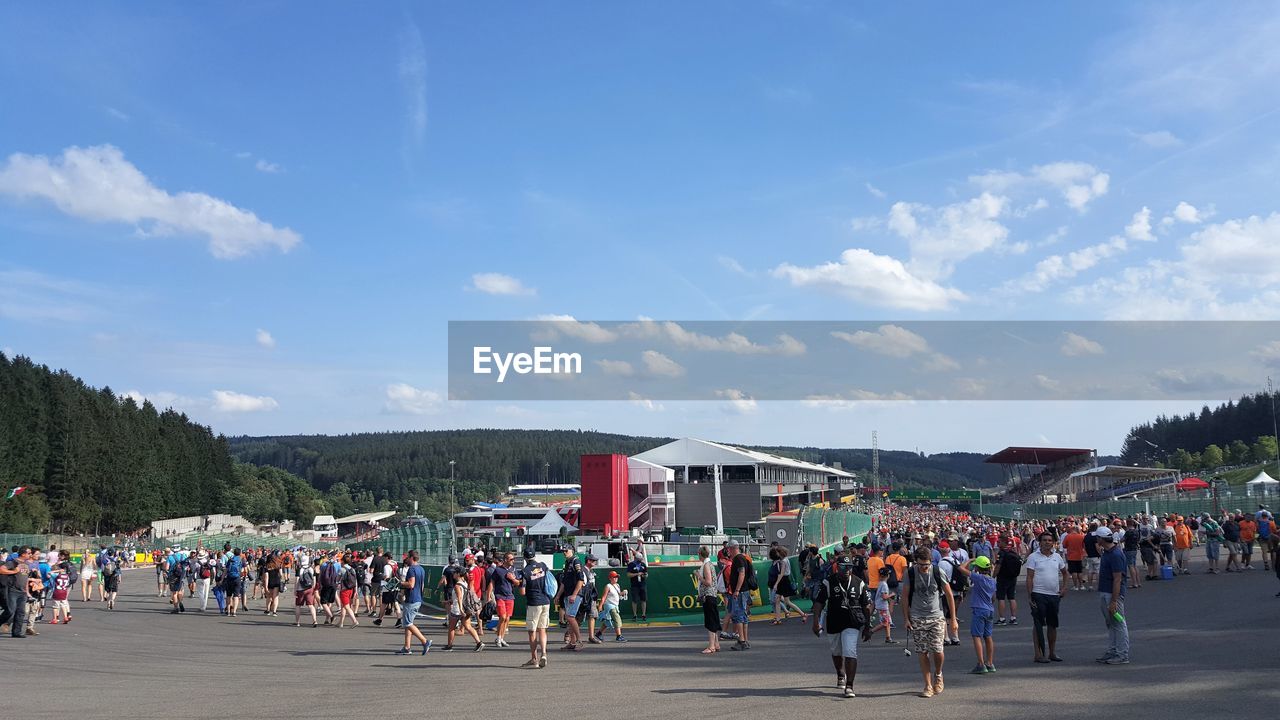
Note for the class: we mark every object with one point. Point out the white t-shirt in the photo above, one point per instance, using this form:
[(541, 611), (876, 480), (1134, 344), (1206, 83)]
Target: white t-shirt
[(611, 596), (1048, 569), (882, 596), (960, 555)]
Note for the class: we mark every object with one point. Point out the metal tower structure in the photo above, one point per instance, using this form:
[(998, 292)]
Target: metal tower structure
[(875, 460)]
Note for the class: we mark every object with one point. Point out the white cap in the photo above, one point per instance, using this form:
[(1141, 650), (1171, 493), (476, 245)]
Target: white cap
[(1103, 533)]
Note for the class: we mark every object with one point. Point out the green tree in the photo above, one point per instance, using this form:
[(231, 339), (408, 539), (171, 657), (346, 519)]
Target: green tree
[(1211, 457), (1239, 453), (1183, 460), (1264, 449)]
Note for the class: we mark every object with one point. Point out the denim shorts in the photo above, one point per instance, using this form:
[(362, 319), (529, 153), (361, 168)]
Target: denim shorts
[(738, 607), (410, 613), (980, 626), (571, 606)]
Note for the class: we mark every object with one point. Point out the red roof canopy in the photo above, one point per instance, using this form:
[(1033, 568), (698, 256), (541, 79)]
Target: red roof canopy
[(1035, 455), (1192, 483)]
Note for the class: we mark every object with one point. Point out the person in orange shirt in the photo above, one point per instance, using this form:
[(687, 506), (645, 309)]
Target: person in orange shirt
[(1248, 531), (874, 563), (1182, 537), (1073, 543)]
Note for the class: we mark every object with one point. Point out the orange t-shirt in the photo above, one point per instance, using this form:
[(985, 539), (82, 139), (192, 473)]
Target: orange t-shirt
[(1074, 544), (1181, 537), (1248, 530), (873, 571), (899, 565)]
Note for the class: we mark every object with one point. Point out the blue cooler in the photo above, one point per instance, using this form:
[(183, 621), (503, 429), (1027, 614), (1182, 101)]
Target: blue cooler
[(1166, 572)]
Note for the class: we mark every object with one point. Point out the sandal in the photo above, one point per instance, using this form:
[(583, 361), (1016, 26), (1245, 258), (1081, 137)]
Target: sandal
[(707, 651)]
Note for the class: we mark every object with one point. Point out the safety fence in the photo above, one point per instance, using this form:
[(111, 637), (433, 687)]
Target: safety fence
[(1123, 508), (824, 527), (433, 541)]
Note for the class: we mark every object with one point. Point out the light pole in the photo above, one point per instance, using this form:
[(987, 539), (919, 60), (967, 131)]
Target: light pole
[(1271, 393), (546, 480), (452, 508)]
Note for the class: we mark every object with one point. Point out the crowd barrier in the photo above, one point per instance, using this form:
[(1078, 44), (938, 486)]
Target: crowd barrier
[(1123, 508)]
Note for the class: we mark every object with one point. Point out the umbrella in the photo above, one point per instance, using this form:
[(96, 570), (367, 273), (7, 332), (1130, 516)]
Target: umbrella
[(1192, 483)]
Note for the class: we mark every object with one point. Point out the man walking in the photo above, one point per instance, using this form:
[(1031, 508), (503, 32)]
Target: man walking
[(13, 585), (1047, 579), (848, 613), (1111, 585), (739, 588), (415, 578), (929, 608), (533, 585), (1008, 568)]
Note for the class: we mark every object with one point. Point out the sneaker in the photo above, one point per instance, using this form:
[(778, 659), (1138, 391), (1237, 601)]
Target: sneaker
[(991, 668), (426, 647), (738, 646), (937, 681), (479, 647), (621, 638), (1002, 621), (542, 661), (848, 692), (978, 670), (1103, 658), (377, 623), (1012, 621), (839, 681), (447, 648), (927, 693), (404, 651), (530, 663), (891, 642), (644, 618), (397, 623), (595, 640), (1116, 660)]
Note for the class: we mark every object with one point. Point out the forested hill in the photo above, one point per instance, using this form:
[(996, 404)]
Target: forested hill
[(363, 471), (1239, 432)]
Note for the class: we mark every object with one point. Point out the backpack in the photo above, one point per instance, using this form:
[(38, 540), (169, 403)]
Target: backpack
[(73, 574), (959, 581), (349, 579), (329, 575), (206, 572), (470, 603), (1012, 560), (110, 568), (892, 577), (750, 582), (361, 573), (816, 573), (848, 594), (306, 580), (175, 572), (549, 583)]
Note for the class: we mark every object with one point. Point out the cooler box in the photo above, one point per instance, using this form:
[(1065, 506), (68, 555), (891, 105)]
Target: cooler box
[(1166, 572)]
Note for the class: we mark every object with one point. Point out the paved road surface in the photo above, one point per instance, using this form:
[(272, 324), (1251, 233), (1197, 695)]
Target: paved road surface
[(1200, 643)]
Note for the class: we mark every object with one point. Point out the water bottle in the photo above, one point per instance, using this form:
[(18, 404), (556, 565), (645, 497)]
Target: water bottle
[(1117, 616)]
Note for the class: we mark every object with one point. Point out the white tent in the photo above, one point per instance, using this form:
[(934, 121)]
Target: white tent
[(550, 524), (1262, 484)]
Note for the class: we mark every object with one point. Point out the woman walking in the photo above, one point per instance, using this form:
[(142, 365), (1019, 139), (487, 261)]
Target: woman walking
[(88, 572), (275, 583), (710, 599), (783, 590)]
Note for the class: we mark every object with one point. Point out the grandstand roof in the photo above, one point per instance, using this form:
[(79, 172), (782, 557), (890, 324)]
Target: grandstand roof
[(1035, 455), (1125, 472), (691, 451), (365, 517)]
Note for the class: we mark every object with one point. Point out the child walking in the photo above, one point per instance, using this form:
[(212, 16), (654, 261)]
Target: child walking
[(980, 604), (608, 609), (884, 597)]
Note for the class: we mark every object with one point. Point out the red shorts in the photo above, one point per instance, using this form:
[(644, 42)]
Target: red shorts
[(345, 596), (505, 607), (303, 598)]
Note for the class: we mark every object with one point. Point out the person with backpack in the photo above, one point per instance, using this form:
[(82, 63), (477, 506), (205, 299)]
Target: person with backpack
[(234, 582), (739, 585), (110, 573), (780, 587), (958, 581), (929, 608), (1008, 568), (538, 586), (176, 569), (304, 596), (348, 584), (330, 574), (389, 588), (844, 597)]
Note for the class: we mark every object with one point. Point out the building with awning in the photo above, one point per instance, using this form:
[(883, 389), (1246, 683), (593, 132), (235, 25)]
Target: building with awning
[(723, 486)]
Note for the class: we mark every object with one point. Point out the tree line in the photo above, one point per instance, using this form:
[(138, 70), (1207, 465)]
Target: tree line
[(1235, 433)]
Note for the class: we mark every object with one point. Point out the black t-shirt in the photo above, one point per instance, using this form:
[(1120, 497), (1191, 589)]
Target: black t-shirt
[(1131, 539), (737, 567), (569, 579), (841, 596), (18, 581), (375, 567), (1010, 565), (1091, 545), (642, 570), (859, 564), (1230, 531)]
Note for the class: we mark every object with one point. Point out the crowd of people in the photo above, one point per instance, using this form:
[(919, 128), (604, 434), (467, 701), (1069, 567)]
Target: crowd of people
[(919, 565)]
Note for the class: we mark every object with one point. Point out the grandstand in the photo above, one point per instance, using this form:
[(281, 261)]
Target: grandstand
[(1039, 473), (1114, 482)]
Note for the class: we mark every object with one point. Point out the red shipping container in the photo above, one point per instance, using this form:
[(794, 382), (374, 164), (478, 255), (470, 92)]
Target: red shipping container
[(604, 493)]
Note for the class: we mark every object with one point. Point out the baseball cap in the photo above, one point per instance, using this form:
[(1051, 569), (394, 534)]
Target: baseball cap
[(528, 552), (1103, 533), (944, 545), (613, 574), (982, 561), (731, 543)]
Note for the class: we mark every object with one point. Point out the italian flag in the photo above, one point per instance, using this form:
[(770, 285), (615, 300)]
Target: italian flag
[(14, 492)]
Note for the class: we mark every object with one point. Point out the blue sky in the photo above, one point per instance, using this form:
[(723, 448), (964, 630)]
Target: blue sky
[(265, 215)]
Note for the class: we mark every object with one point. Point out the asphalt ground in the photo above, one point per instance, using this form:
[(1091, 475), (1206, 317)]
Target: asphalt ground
[(1201, 643)]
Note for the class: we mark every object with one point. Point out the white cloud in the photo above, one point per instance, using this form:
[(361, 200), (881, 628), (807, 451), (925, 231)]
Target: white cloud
[(1079, 183), (1044, 382), (739, 402), (864, 276), (853, 399), (735, 343), (267, 167), (618, 368), (1140, 227), (876, 192), (1187, 213), (499, 284), (733, 266), (938, 362), (866, 223), (655, 363), (99, 185), (117, 114), (556, 325), (407, 399), (244, 155), (1248, 248), (644, 402), (413, 84), (1208, 381), (1158, 139), (229, 401), (264, 339), (1061, 267), (1074, 345), (942, 237), (1268, 355), (890, 340), (163, 400), (1028, 210)]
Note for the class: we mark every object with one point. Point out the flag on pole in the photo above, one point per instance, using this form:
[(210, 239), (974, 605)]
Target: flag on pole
[(14, 492)]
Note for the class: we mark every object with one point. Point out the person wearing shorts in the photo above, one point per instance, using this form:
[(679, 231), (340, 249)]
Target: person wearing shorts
[(415, 578), (532, 580), (929, 608)]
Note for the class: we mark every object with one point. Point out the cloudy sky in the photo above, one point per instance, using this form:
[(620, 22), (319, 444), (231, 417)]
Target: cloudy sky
[(266, 215)]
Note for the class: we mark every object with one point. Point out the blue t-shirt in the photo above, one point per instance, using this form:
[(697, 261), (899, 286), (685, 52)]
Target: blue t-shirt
[(638, 566), (1112, 564), (534, 576), (982, 547), (937, 558), (983, 588), (233, 567), (414, 594), (502, 589)]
